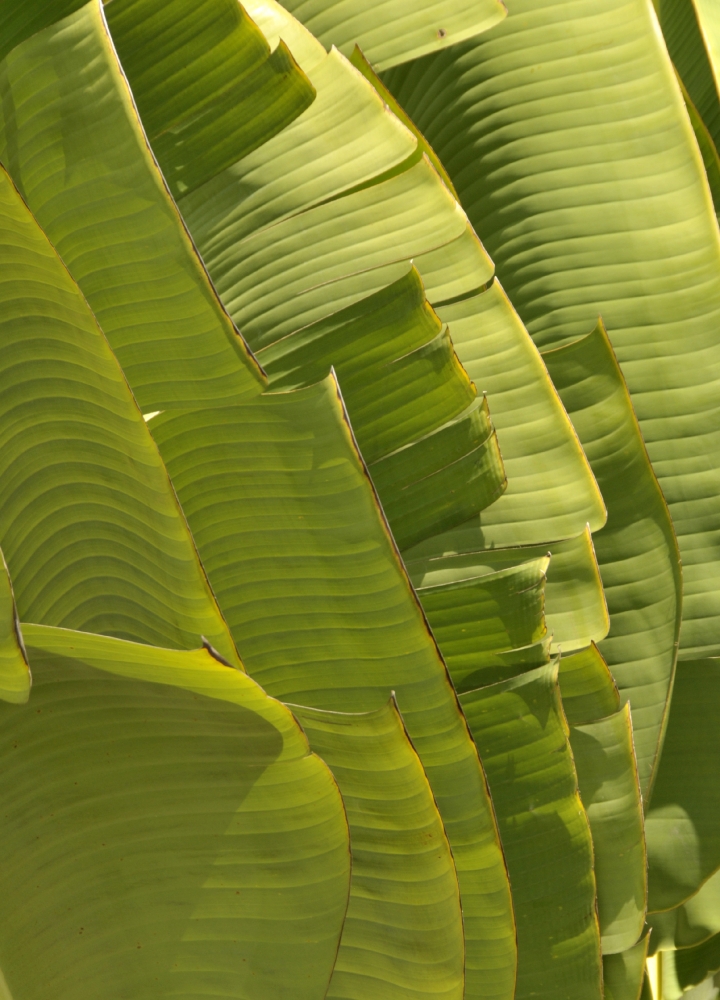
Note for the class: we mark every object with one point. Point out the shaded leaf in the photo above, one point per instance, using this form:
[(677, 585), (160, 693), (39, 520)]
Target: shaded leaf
[(575, 160), (588, 688), (636, 550), (521, 733), (575, 610), (691, 923), (610, 791), (551, 492), (209, 90), (475, 617), (624, 972), (682, 824)]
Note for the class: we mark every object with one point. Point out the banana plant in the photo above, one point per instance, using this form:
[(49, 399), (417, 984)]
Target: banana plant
[(342, 590)]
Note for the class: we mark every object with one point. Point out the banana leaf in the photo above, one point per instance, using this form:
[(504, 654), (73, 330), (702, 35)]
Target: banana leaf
[(689, 924), (165, 829), (694, 965), (103, 204), (690, 29), (575, 160), (403, 931), (209, 90), (636, 550), (574, 605), (682, 829), (393, 31), (624, 972), (15, 677), (522, 737), (89, 523), (610, 791), (311, 584), (552, 493), (588, 689)]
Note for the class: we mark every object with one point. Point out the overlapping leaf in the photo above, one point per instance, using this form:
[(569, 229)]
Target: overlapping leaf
[(185, 792), (403, 932), (393, 31), (522, 737), (89, 524), (575, 160), (637, 551), (683, 833), (311, 584)]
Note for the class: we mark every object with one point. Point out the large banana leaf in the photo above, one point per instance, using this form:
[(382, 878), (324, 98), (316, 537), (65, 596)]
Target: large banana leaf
[(610, 790), (314, 589), (692, 33), (636, 549), (683, 832), (89, 523), (457, 778), (691, 923), (403, 933), (624, 973), (522, 737), (91, 183), (392, 31), (577, 165), (574, 603), (165, 831)]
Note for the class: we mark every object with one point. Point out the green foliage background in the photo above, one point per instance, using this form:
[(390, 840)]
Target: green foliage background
[(360, 613)]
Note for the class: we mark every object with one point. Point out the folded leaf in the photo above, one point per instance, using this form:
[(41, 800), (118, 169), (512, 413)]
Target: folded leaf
[(521, 733), (636, 550), (551, 492), (209, 90), (15, 679), (683, 821), (393, 31), (588, 688), (690, 28), (405, 389), (576, 163), (575, 609), (85, 171), (610, 792), (475, 617), (89, 523), (177, 785), (624, 972), (293, 540), (403, 931), (691, 923), (694, 965)]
